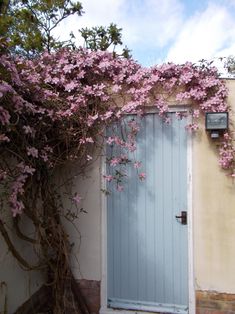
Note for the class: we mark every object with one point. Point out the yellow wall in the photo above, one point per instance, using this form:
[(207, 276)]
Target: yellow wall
[(214, 214)]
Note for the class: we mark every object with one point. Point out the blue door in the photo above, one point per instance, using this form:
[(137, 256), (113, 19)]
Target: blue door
[(147, 245)]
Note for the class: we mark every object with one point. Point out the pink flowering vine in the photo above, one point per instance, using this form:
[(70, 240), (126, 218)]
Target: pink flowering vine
[(57, 107), (226, 153)]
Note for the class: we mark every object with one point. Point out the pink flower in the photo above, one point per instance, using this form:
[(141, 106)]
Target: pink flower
[(142, 176), (48, 149), (226, 136), (192, 127), (116, 88), (88, 158), (4, 138), (167, 120), (17, 189), (134, 126), (26, 169), (196, 113), (107, 115), (4, 116), (91, 119), (70, 86), (68, 68), (108, 178), (180, 115), (95, 117), (82, 141), (137, 164), (17, 208), (55, 80), (4, 88), (45, 153), (227, 155), (89, 140), (86, 140), (110, 140), (114, 161), (32, 151), (76, 199), (131, 147), (44, 157), (28, 129), (118, 141), (120, 188)]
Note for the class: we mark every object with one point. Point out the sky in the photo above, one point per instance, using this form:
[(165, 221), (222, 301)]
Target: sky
[(159, 31)]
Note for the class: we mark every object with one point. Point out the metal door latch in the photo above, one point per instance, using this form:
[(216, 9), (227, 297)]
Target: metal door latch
[(183, 217)]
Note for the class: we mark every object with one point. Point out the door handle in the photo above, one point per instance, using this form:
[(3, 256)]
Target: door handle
[(183, 217)]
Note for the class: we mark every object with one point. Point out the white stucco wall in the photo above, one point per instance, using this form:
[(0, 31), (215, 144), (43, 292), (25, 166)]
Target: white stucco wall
[(16, 285), (85, 232)]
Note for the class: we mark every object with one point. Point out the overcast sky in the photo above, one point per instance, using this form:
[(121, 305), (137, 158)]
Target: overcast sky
[(164, 30)]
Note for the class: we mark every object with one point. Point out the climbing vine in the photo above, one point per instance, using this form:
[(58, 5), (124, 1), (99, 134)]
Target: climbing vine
[(54, 110)]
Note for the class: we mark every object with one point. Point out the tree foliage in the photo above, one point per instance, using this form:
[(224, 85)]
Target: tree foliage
[(28, 24), (102, 38), (230, 65)]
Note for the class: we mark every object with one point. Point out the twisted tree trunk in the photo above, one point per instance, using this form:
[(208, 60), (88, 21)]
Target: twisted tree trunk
[(61, 293)]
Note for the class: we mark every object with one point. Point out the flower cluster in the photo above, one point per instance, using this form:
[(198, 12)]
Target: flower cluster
[(226, 153), (57, 107)]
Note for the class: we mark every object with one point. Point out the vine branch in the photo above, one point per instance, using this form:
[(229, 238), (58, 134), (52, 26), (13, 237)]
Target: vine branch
[(13, 250)]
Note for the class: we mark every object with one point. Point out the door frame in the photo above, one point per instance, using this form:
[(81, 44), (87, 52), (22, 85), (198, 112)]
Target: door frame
[(104, 295)]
